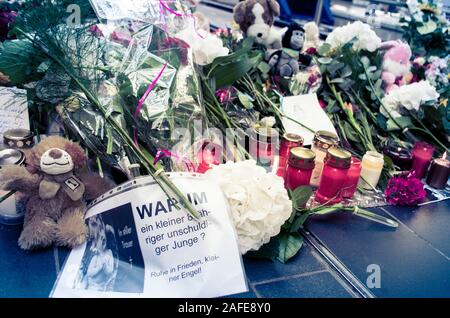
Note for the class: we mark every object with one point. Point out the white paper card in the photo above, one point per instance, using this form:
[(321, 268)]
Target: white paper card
[(13, 109), (141, 246), (306, 110)]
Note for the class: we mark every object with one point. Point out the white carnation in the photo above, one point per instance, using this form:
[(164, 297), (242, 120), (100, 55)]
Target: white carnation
[(258, 201), (409, 96), (364, 37)]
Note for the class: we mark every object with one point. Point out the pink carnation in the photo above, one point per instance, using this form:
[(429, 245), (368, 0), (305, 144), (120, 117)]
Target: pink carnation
[(405, 189)]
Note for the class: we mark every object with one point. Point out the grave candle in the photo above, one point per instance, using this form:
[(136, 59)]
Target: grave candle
[(351, 183), (372, 165), (323, 140), (300, 167), (400, 156), (422, 155), (11, 211), (439, 173), (334, 174), (288, 142), (263, 146)]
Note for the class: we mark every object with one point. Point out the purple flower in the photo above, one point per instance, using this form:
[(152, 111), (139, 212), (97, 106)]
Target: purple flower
[(405, 190), (7, 18)]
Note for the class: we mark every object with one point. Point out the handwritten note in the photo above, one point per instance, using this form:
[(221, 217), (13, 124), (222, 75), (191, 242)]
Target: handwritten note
[(306, 110), (13, 109)]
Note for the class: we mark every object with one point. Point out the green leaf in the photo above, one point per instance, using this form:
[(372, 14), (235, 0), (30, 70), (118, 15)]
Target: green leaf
[(351, 134), (264, 67), (289, 245), (298, 222), (246, 100), (300, 196), (245, 49), (325, 60), (346, 72), (404, 122), (324, 49), (227, 74), (337, 81), (365, 61), (267, 251), (19, 60), (427, 27)]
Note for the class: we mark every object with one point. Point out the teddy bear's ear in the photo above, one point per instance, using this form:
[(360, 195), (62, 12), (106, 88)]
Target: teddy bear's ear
[(239, 13), (275, 7), (77, 153)]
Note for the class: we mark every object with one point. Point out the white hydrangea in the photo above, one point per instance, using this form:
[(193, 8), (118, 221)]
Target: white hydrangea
[(410, 96), (366, 38), (258, 201)]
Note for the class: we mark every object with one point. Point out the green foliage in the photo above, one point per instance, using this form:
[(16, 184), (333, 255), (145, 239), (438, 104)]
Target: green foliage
[(19, 60), (427, 34)]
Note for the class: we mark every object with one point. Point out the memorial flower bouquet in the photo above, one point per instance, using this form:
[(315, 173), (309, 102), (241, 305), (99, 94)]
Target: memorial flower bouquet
[(110, 83), (351, 61)]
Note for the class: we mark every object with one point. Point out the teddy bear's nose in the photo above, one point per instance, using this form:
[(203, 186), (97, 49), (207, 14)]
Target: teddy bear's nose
[(55, 154), (259, 35)]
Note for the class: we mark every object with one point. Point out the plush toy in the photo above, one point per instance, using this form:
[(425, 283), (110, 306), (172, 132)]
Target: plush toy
[(57, 185), (312, 36), (256, 17), (286, 62), (396, 64)]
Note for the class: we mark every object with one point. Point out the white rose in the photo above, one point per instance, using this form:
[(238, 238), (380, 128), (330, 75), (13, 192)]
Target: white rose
[(206, 49), (258, 201), (362, 34), (410, 96)]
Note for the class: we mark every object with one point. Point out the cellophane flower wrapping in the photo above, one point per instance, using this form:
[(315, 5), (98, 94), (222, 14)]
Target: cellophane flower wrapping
[(145, 78)]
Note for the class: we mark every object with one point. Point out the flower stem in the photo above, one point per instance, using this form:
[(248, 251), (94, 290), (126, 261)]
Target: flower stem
[(367, 144)]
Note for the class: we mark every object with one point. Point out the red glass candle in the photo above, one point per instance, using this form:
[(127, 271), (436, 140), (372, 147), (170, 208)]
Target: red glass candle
[(422, 155), (288, 142), (334, 175), (351, 183), (264, 146), (300, 167)]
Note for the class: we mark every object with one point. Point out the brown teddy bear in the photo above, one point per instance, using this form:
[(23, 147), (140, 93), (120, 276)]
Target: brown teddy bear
[(57, 184)]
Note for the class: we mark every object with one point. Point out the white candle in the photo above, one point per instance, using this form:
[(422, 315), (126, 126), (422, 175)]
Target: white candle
[(372, 165)]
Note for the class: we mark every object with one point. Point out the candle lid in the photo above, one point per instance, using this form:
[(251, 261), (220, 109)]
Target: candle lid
[(11, 157), (18, 138), (442, 162), (338, 158), (302, 158), (325, 139), (421, 145), (291, 137), (374, 158)]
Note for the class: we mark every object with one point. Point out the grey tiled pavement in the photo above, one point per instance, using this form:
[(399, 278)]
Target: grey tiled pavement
[(32, 274)]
